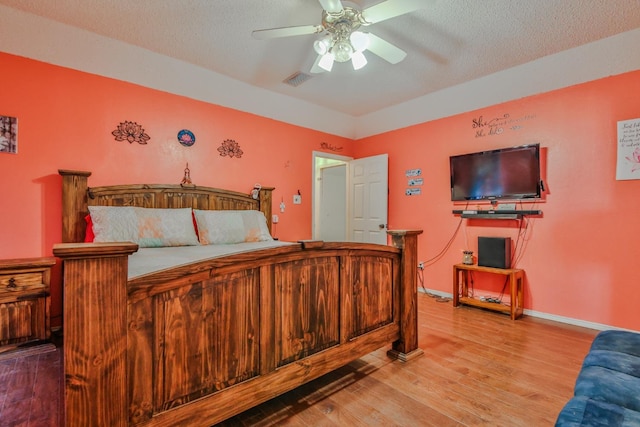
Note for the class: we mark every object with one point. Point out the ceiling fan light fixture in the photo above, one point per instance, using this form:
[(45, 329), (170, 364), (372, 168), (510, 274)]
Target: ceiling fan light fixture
[(326, 62), (339, 36), (342, 50), (358, 60), (321, 46), (359, 41)]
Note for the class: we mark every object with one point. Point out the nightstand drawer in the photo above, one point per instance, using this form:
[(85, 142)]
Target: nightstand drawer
[(22, 321), (24, 301), (22, 282)]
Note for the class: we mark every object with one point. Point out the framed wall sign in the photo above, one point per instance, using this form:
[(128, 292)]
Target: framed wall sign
[(628, 166), (8, 134)]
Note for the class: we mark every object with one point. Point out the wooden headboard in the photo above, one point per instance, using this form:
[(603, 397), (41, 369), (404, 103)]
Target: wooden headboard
[(77, 196)]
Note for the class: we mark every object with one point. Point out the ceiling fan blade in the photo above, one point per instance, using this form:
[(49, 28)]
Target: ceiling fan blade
[(316, 68), (331, 6), (385, 50), (390, 9), (273, 33)]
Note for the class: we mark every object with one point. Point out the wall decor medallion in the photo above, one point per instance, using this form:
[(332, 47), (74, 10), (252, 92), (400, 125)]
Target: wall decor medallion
[(230, 148), (186, 138), (130, 131), (8, 134)]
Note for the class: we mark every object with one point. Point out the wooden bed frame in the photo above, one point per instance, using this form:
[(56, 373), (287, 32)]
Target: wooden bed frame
[(197, 344)]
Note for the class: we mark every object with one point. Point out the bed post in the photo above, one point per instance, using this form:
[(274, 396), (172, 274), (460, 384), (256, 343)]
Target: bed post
[(406, 348), (95, 332), (74, 204), (266, 195)]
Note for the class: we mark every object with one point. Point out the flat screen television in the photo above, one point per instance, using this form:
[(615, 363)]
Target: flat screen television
[(507, 173)]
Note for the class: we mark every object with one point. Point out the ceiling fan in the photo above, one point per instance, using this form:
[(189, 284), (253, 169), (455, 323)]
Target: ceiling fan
[(341, 39)]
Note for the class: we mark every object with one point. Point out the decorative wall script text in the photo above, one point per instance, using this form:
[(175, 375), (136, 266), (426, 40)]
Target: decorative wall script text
[(493, 126), (327, 146), (497, 125), (628, 166)]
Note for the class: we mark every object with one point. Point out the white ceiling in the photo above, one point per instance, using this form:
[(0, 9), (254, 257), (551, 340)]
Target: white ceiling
[(448, 42)]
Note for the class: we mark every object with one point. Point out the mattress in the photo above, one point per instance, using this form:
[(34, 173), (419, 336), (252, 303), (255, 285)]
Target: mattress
[(150, 260)]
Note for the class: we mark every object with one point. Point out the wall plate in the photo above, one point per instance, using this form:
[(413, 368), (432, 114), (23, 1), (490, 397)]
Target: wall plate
[(507, 206)]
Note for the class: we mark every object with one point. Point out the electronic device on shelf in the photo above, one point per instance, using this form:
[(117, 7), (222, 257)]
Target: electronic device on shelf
[(496, 213), (506, 173)]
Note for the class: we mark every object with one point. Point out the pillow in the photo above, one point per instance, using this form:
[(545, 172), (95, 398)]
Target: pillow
[(147, 227), (114, 224), (223, 227)]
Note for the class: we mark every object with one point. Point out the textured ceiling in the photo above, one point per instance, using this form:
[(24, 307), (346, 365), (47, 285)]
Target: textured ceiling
[(448, 42)]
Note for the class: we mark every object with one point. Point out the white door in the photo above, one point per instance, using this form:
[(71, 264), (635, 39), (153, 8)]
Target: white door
[(368, 194), (332, 213)]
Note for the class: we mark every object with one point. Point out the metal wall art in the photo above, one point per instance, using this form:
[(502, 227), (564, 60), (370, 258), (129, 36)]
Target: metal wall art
[(230, 148), (186, 180), (132, 132), (327, 146)]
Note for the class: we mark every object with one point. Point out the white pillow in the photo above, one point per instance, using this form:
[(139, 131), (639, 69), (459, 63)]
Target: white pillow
[(224, 227), (145, 226)]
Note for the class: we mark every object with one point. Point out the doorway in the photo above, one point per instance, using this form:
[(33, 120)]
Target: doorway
[(350, 198), (329, 190)]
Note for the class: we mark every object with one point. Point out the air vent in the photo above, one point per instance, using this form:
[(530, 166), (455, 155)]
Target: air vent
[(296, 79)]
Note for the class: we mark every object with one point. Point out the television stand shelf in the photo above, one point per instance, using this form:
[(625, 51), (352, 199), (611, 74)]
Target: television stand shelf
[(516, 287), (496, 213)]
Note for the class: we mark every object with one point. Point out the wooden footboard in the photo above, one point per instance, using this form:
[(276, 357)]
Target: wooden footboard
[(197, 344), (200, 348)]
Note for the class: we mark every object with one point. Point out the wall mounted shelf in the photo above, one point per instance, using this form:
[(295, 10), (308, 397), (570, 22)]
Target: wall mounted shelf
[(496, 214)]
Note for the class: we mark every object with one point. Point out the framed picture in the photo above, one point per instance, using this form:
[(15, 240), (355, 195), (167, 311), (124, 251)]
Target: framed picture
[(8, 134), (628, 165)]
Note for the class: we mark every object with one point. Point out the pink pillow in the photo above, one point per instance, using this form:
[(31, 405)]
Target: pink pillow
[(89, 235)]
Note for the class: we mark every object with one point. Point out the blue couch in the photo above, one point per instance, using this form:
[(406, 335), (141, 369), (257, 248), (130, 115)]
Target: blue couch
[(607, 390)]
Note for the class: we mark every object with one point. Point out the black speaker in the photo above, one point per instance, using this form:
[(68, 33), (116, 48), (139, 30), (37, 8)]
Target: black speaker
[(494, 252)]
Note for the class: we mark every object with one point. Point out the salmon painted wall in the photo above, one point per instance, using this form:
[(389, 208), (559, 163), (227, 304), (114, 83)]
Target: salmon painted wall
[(65, 120), (580, 256)]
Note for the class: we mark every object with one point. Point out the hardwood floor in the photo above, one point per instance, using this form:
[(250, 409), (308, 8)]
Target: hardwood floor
[(30, 390), (479, 369)]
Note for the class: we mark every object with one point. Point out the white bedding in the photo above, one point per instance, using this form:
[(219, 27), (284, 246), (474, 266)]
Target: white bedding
[(149, 260)]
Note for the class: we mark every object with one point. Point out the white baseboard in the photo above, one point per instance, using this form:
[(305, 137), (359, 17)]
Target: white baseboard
[(434, 292), (541, 315)]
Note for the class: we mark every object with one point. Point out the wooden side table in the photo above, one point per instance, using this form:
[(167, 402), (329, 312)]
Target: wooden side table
[(516, 287), (24, 301)]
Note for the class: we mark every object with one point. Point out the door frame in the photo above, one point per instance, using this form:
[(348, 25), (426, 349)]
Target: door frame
[(315, 207)]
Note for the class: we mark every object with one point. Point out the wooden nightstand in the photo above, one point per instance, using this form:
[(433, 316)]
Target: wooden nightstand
[(24, 301)]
